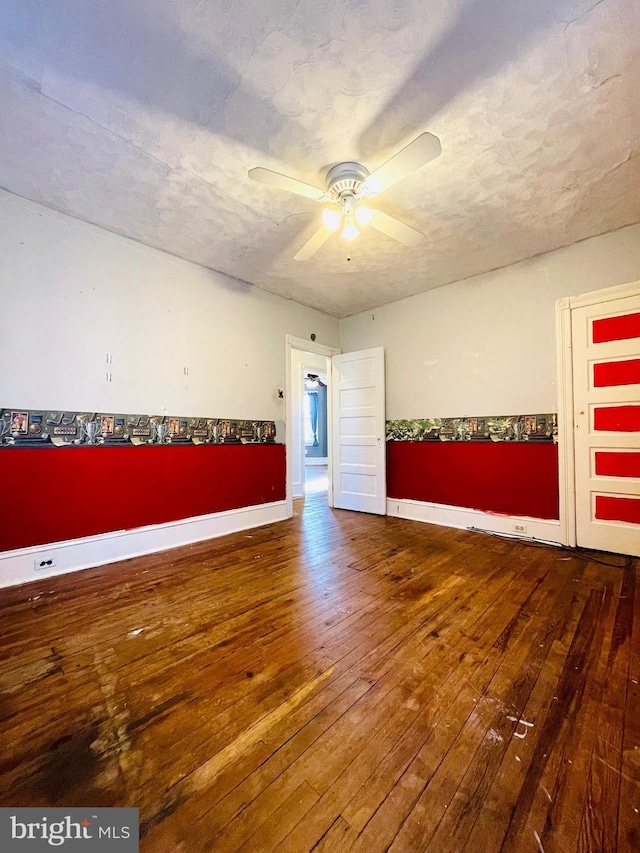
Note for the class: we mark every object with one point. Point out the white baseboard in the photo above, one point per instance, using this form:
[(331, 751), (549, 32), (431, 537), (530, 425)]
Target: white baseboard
[(455, 516), (316, 460), (17, 567)]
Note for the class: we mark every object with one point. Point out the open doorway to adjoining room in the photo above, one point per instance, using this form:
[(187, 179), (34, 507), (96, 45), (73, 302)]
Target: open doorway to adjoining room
[(356, 470), (315, 432), (308, 414)]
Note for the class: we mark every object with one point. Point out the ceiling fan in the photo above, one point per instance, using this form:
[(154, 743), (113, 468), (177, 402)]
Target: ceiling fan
[(313, 381), (348, 186)]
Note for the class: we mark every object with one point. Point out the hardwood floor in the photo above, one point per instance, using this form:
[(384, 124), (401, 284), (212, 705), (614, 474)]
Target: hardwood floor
[(337, 682)]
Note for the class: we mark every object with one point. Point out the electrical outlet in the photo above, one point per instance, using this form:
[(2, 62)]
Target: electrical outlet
[(520, 528), (45, 563)]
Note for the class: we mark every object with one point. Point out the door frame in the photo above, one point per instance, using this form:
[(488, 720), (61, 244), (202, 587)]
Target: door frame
[(291, 342), (566, 425)]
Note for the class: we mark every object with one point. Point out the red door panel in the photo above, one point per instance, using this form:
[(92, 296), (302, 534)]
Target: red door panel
[(616, 328), (615, 464), (608, 373), (617, 418), (610, 508)]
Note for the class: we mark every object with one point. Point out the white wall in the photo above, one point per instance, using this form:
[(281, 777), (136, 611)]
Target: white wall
[(486, 345), (70, 293)]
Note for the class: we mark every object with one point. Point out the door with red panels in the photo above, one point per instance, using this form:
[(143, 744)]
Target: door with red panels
[(606, 393)]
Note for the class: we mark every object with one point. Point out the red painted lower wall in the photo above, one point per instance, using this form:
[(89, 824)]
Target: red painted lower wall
[(56, 494), (52, 495), (516, 478)]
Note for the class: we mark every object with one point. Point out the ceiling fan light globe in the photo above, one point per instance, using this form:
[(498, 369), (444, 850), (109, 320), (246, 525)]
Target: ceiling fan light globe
[(350, 232), (331, 218)]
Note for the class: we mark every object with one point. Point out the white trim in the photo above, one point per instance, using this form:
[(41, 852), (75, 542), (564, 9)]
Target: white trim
[(17, 567), (310, 346), (566, 456), (619, 291), (566, 425), (461, 517), (291, 343)]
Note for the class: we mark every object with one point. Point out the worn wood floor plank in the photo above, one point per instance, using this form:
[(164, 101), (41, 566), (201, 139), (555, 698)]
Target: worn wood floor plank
[(337, 682)]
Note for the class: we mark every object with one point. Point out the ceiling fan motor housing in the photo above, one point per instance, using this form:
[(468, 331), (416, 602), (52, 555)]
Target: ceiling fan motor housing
[(345, 179)]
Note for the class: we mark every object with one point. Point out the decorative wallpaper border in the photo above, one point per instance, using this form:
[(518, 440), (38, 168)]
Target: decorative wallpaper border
[(32, 427), (538, 428), (35, 428)]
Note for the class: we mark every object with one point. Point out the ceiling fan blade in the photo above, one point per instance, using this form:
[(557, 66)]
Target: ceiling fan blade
[(312, 245), (395, 229), (283, 182), (416, 154)]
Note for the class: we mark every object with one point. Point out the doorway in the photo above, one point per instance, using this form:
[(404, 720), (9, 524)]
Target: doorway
[(308, 419), (356, 452), (599, 418), (315, 431)]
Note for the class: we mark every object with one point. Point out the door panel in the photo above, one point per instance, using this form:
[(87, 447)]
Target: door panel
[(606, 375), (359, 472), (618, 328), (621, 372), (621, 463)]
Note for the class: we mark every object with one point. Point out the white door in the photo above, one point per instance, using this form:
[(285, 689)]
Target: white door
[(359, 469), (606, 375)]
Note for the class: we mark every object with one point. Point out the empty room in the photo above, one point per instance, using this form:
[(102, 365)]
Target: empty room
[(320, 426)]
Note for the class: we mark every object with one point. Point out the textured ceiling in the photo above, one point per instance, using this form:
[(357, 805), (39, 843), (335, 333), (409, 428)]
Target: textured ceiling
[(144, 116)]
